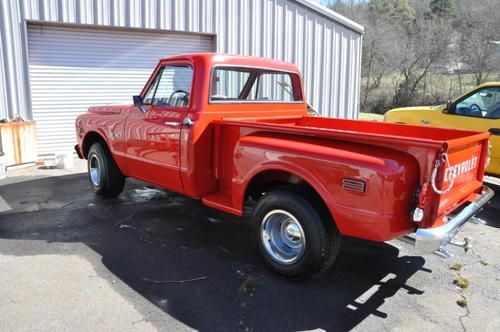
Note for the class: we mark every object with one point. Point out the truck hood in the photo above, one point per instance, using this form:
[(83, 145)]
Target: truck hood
[(109, 109), (417, 108)]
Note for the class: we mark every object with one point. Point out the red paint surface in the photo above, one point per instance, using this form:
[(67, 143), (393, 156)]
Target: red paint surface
[(230, 144)]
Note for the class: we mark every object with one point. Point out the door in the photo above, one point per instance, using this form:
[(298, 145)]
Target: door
[(153, 131), (480, 111), (73, 67)]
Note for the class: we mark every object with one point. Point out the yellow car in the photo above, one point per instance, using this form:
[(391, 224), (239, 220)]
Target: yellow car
[(477, 109)]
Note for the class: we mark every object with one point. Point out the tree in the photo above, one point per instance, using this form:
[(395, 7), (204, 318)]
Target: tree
[(420, 42), (407, 42), (383, 19), (442, 8), (349, 8), (479, 30), (397, 11), (423, 44)]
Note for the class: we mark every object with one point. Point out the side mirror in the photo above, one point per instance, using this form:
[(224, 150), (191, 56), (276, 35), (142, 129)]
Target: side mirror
[(137, 100), (139, 103), (448, 106)]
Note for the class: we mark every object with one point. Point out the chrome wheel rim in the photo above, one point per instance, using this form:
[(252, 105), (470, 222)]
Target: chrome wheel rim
[(95, 170), (282, 237)]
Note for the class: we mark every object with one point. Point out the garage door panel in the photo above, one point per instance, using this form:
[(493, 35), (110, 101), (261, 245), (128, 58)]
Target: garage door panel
[(72, 68)]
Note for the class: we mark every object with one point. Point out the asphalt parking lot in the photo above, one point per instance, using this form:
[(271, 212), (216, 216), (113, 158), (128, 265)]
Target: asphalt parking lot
[(152, 260)]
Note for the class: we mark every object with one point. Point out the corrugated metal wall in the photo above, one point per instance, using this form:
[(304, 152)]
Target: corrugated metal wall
[(74, 67), (324, 45), (14, 76)]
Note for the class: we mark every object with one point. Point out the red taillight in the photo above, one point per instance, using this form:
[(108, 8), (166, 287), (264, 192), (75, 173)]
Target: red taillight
[(418, 213), (422, 196)]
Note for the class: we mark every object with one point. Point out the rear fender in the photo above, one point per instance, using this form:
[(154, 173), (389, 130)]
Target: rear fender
[(380, 212), (240, 185)]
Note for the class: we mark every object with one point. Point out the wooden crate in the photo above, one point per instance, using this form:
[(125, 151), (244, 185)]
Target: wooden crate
[(18, 142)]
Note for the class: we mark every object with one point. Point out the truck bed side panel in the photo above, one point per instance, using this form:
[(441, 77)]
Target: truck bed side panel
[(380, 213)]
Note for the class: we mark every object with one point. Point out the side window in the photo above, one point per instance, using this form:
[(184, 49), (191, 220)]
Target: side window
[(148, 98), (483, 103), (171, 87)]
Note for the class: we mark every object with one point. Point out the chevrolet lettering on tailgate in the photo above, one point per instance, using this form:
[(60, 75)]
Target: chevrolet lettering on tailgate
[(461, 168)]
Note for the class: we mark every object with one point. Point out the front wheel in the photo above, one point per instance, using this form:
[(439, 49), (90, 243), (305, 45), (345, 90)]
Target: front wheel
[(293, 238), (104, 175)]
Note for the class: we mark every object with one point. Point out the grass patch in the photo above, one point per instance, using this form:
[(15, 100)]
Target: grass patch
[(438, 89), (463, 302), (461, 282), (248, 286), (371, 117), (456, 267)]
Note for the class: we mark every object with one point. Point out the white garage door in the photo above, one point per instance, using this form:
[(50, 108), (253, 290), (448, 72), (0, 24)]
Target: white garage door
[(74, 68)]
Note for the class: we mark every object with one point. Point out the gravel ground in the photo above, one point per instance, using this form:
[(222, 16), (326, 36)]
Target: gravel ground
[(153, 260)]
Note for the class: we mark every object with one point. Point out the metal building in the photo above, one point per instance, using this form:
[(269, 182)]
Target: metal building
[(57, 57)]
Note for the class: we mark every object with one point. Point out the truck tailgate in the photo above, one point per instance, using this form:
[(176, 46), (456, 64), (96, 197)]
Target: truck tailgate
[(459, 175)]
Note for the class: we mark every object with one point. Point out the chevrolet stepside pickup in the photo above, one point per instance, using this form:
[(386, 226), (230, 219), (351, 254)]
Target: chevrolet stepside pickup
[(236, 131)]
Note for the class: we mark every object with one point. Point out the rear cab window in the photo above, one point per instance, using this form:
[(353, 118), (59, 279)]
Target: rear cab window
[(254, 85)]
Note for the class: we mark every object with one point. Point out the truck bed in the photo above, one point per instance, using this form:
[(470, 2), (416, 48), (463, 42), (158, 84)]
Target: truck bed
[(379, 133), (424, 144)]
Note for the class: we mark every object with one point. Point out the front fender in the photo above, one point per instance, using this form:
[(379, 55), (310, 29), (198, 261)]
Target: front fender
[(110, 128), (410, 115)]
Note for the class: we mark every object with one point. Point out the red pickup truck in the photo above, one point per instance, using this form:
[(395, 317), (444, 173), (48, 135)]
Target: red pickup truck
[(232, 130)]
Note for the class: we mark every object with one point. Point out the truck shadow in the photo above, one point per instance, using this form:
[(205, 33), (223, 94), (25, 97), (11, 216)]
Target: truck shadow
[(203, 271), (491, 214)]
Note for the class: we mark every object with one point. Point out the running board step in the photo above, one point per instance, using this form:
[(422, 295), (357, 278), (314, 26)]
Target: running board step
[(221, 202)]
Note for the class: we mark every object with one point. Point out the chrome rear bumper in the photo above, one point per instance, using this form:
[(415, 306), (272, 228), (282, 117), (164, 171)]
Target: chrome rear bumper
[(429, 240)]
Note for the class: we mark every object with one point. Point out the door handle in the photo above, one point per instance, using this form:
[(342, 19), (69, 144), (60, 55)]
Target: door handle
[(173, 124), (495, 131)]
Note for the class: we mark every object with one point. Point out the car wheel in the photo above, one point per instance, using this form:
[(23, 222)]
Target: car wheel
[(293, 238), (104, 175)]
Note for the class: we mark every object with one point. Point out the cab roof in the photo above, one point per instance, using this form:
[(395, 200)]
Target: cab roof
[(214, 59), (488, 84)]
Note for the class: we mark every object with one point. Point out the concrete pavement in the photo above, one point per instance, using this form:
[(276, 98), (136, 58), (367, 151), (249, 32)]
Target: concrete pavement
[(153, 260)]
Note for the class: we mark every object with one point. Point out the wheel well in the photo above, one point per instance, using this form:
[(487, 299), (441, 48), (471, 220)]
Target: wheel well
[(90, 139), (266, 181)]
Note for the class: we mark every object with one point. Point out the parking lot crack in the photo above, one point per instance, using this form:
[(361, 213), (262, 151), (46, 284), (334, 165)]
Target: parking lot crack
[(175, 281), (120, 222), (461, 317)]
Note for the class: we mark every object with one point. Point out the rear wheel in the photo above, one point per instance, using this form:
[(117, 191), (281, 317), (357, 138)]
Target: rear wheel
[(293, 238), (104, 175)]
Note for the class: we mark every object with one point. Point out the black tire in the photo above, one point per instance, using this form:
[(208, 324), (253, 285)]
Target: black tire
[(322, 238), (111, 181)]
